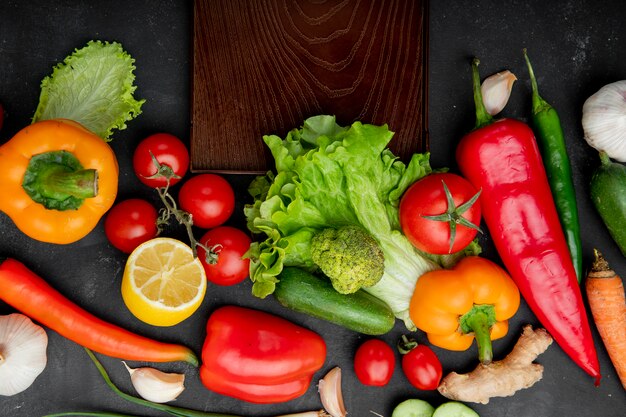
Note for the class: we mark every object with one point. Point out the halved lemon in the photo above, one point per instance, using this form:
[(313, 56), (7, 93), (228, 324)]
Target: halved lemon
[(163, 284)]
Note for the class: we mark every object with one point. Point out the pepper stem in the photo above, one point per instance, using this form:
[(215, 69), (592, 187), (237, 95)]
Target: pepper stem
[(604, 158), (479, 321), (539, 104), (483, 118), (58, 181)]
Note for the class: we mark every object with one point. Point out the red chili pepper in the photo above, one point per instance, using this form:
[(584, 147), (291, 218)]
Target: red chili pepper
[(502, 158), (258, 357), (27, 292)]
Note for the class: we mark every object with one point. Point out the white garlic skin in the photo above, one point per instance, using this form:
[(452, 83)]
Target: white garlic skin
[(496, 91), (604, 120), (23, 355), (156, 386)]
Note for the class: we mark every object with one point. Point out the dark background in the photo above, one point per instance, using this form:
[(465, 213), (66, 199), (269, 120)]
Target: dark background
[(576, 47)]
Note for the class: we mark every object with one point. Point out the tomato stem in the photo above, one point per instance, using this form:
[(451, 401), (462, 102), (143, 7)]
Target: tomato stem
[(184, 218), (454, 214)]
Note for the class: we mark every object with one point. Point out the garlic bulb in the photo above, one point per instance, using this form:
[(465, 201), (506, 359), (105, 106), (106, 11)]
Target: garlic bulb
[(331, 394), (496, 90), (23, 356), (604, 120), (156, 386)]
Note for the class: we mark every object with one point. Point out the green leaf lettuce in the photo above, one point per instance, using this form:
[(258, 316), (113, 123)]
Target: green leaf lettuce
[(329, 176), (94, 87)]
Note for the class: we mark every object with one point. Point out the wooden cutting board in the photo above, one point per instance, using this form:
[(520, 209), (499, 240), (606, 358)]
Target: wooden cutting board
[(263, 66)]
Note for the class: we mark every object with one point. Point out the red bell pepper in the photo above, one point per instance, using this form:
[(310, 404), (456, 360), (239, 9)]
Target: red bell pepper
[(258, 357), (502, 158)]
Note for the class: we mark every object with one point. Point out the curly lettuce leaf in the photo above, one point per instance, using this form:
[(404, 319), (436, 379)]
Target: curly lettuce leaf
[(94, 87), (329, 176)]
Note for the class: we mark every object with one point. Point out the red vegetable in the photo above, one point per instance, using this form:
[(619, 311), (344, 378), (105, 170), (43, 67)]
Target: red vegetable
[(209, 198), (28, 293), (439, 214), (225, 264), (130, 223), (258, 357), (172, 160), (503, 159), (374, 363), (420, 364)]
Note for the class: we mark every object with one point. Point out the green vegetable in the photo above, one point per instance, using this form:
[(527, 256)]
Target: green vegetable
[(413, 408), (608, 193), (94, 87), (454, 409), (170, 409), (304, 292), (349, 256), (332, 176), (551, 141)]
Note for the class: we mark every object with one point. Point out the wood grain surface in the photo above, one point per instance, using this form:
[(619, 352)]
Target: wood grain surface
[(263, 66)]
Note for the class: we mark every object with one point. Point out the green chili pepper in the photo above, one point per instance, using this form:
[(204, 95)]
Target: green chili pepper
[(551, 141)]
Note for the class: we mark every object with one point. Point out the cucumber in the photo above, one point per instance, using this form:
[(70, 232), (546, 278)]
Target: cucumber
[(454, 409), (304, 292), (608, 193), (413, 408)]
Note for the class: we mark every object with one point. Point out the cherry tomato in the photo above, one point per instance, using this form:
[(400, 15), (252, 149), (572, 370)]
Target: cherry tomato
[(374, 363), (209, 198), (422, 368), (229, 244), (169, 151), (130, 223), (456, 224)]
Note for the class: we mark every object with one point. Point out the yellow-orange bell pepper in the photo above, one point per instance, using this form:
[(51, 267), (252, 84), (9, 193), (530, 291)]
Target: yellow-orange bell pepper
[(57, 179), (471, 301)]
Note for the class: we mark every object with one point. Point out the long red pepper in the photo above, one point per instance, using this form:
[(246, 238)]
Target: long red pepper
[(502, 158), (27, 292)]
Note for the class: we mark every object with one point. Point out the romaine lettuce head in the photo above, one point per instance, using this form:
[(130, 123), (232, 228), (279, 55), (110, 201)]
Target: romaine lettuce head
[(330, 176)]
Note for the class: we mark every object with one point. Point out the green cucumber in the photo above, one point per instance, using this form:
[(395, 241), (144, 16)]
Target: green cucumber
[(413, 408), (608, 193), (454, 409), (304, 292)]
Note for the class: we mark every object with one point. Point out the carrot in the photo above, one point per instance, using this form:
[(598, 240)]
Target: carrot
[(605, 293)]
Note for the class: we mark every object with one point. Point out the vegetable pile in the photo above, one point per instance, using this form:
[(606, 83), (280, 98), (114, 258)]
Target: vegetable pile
[(329, 176), (344, 232)]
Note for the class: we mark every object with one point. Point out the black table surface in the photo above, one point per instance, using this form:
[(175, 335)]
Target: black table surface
[(576, 46)]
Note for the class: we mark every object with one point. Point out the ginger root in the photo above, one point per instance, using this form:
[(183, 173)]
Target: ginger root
[(502, 378)]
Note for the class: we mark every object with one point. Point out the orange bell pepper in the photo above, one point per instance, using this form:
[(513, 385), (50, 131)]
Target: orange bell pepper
[(471, 301), (57, 180)]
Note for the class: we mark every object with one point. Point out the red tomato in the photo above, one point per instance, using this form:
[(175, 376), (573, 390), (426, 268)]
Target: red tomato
[(229, 244), (374, 363), (168, 150), (209, 198), (422, 368), (457, 224), (130, 223)]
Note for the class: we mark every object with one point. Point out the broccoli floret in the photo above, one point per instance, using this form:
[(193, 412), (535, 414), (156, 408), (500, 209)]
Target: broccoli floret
[(349, 256)]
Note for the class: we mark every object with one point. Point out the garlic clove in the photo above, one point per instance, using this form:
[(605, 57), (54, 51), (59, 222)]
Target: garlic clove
[(496, 90), (156, 386), (23, 356), (331, 394)]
